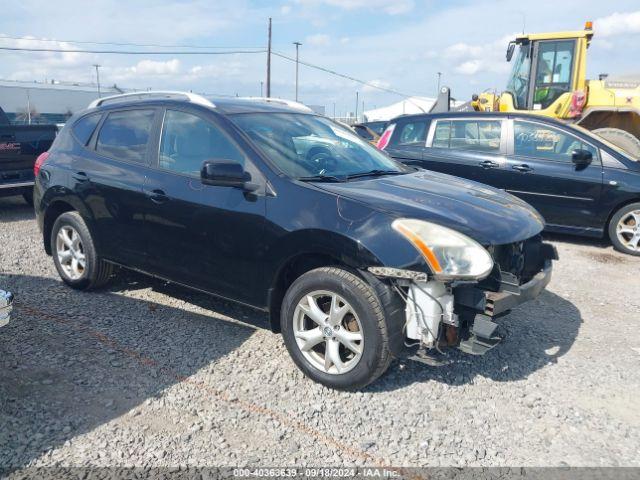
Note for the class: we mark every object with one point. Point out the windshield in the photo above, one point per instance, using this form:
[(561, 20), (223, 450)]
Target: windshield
[(518, 83), (307, 146)]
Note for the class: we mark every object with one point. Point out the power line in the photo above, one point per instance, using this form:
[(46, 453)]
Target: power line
[(123, 44), (238, 50), (342, 75), (130, 52)]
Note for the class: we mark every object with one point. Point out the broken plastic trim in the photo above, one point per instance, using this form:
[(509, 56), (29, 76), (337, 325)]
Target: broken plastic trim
[(399, 273)]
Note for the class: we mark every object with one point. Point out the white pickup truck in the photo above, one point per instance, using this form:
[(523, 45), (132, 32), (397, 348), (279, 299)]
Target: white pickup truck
[(6, 301)]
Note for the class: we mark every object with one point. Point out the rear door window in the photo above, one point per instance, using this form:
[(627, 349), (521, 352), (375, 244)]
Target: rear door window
[(125, 135), (84, 127)]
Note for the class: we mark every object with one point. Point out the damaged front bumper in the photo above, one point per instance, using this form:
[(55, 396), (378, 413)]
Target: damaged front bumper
[(460, 314), (510, 295)]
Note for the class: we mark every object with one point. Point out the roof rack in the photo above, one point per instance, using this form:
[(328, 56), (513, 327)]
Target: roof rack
[(281, 101), (191, 97)]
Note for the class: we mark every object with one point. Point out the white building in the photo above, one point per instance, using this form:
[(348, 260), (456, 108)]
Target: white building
[(407, 106)]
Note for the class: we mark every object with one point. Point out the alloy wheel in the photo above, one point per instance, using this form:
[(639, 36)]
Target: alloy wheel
[(628, 230), (328, 332), (70, 252)]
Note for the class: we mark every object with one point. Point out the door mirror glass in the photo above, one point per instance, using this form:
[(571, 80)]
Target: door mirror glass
[(510, 48), (225, 173), (581, 158)]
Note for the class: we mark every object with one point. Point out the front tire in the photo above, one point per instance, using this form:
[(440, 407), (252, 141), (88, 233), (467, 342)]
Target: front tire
[(74, 254), (334, 328), (624, 229)]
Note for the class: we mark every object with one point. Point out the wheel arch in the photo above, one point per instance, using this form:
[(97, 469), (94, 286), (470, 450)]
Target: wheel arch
[(615, 209), (294, 267), (54, 209), (336, 251), (312, 248)]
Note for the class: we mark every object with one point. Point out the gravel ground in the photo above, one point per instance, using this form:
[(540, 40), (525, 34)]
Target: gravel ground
[(149, 375)]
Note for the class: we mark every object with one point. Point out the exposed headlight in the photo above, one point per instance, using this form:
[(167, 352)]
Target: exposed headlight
[(450, 254)]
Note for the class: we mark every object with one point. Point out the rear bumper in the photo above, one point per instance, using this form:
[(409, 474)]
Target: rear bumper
[(15, 181)]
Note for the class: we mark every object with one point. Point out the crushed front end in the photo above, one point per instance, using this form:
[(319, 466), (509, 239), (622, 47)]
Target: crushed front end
[(460, 313)]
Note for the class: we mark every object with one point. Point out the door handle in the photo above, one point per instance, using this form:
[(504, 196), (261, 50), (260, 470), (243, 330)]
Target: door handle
[(157, 196), (80, 177), (524, 168), (489, 164)]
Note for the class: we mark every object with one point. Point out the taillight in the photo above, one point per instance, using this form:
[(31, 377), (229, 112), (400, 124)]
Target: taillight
[(578, 100), (39, 161), (386, 136)]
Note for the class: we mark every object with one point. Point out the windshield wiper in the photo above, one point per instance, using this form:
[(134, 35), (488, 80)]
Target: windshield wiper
[(323, 178), (375, 173)]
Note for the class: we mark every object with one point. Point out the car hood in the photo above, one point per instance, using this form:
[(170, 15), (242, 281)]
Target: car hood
[(488, 215)]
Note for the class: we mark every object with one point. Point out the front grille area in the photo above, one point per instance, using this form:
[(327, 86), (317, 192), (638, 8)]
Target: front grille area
[(521, 259)]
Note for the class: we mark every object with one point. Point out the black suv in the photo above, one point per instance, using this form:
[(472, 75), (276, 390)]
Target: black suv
[(355, 257)]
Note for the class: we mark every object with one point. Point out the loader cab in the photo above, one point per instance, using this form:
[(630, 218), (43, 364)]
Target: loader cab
[(542, 71), (547, 66)]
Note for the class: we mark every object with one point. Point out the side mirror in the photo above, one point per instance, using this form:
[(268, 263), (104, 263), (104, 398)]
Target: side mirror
[(510, 48), (581, 158), (226, 173)]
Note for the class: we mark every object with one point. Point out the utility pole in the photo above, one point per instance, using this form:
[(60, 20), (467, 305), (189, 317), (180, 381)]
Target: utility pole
[(439, 75), (357, 106), (269, 62), (334, 110), (261, 84), (297, 44), (98, 77), (28, 108)]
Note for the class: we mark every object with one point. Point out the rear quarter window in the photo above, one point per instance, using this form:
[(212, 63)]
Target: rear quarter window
[(411, 133), (85, 126)]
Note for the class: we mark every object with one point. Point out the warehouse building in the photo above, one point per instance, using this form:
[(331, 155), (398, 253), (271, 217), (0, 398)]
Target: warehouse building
[(51, 102)]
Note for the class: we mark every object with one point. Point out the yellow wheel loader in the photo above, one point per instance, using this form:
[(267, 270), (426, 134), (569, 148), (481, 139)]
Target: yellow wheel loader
[(548, 78)]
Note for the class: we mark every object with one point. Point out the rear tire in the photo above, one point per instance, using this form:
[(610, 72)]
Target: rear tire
[(356, 336), (74, 254), (620, 138), (624, 229)]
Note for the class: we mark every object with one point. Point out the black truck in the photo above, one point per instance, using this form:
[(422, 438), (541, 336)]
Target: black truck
[(20, 145)]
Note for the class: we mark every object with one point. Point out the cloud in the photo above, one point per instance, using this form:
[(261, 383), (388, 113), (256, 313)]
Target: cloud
[(153, 67), (285, 9), (318, 40), (376, 83), (618, 24), (470, 67), (474, 58)]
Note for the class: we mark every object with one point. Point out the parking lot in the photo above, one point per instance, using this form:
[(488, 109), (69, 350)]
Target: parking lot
[(147, 374)]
